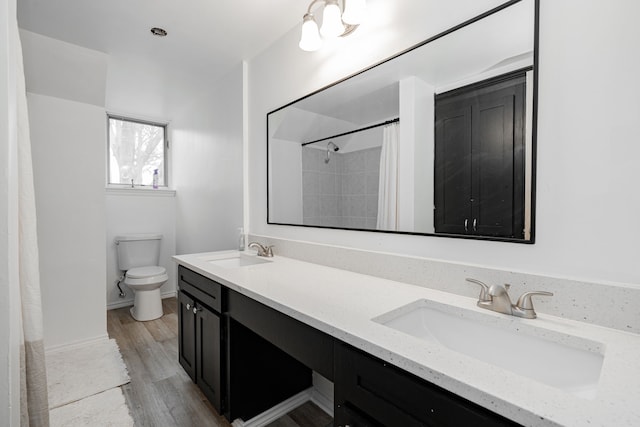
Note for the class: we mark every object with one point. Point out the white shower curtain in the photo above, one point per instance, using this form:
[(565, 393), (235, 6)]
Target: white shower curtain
[(388, 181), (34, 402)]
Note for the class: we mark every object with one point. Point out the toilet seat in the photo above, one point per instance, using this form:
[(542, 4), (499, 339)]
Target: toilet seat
[(146, 275), (144, 272)]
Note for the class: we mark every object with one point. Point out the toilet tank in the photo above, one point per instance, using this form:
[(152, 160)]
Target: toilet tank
[(137, 250)]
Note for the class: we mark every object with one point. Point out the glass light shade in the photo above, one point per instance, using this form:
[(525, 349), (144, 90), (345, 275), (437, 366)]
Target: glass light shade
[(354, 11), (331, 20), (310, 38)]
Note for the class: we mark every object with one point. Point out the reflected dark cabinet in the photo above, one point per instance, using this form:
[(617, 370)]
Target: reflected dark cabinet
[(201, 337), (480, 158)]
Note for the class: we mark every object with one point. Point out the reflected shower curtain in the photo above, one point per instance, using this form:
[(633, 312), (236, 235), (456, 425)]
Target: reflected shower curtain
[(388, 181), (34, 401)]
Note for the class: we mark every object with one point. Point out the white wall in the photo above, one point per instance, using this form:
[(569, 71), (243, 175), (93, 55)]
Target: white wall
[(587, 197), (416, 156), (207, 153), (68, 147), (64, 70), (9, 298), (133, 213)]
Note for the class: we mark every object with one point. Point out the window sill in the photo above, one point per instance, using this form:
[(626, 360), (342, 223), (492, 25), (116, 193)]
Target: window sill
[(137, 192)]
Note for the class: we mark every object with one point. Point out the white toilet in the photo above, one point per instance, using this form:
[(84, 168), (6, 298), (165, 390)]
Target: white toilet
[(138, 255)]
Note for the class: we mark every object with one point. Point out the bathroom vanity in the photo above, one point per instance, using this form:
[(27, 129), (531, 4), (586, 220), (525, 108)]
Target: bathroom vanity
[(261, 327)]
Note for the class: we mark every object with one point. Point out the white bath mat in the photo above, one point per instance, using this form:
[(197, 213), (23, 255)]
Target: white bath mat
[(79, 372), (103, 409)]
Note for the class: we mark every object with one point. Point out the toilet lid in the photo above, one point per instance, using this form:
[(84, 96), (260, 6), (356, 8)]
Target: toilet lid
[(142, 272)]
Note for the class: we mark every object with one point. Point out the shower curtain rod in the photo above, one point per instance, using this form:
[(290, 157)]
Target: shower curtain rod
[(388, 122)]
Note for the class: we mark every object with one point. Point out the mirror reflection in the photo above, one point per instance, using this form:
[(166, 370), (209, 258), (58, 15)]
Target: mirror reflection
[(437, 140)]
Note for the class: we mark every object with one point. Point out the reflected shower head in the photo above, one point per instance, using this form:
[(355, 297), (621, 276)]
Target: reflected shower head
[(335, 148)]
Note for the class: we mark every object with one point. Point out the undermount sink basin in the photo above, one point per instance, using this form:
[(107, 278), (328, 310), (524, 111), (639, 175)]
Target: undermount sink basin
[(562, 361), (236, 261)]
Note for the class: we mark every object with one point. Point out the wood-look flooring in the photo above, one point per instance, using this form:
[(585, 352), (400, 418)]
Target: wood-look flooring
[(160, 392)]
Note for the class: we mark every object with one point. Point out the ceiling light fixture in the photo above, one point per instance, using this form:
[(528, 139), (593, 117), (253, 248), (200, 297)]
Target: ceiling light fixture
[(335, 23), (158, 32)]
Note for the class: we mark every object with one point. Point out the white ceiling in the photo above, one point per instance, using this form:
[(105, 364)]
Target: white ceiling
[(206, 39)]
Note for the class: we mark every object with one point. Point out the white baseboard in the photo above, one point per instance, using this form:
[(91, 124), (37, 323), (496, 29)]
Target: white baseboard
[(277, 411), (74, 344), (322, 402), (322, 394), (129, 302)]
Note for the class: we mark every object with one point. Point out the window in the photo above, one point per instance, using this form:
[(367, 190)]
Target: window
[(136, 150)]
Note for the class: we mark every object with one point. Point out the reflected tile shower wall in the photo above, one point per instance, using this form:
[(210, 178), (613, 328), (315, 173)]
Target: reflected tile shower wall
[(342, 192)]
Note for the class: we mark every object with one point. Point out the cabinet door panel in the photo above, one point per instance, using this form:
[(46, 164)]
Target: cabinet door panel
[(187, 334), (493, 166), (208, 374), (452, 189)]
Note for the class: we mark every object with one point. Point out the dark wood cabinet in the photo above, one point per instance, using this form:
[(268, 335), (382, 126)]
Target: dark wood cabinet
[(187, 334), (201, 334), (480, 158), (209, 365), (371, 392)]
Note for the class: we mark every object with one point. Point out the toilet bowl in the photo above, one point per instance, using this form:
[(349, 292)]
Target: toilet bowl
[(145, 282), (138, 256)]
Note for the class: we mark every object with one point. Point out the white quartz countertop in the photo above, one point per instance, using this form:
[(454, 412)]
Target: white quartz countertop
[(342, 303)]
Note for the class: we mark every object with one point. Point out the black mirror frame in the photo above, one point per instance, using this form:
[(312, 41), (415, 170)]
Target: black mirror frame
[(534, 130)]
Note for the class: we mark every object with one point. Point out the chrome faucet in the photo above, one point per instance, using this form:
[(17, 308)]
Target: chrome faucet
[(265, 251), (496, 298)]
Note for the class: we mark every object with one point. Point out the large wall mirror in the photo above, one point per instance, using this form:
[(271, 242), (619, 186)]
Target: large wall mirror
[(438, 140)]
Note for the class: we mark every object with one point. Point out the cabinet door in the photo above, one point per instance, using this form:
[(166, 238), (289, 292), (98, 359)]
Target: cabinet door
[(187, 334), (498, 159), (208, 356), (452, 190)]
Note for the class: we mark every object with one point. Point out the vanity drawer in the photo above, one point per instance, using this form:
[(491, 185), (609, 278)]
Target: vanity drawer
[(201, 288), (393, 397)]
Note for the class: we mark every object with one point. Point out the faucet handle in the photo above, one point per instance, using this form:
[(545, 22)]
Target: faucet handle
[(269, 251), (484, 292), (526, 305), (524, 302)]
